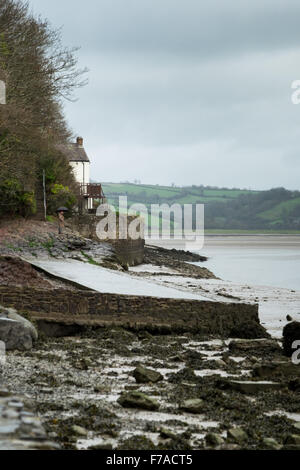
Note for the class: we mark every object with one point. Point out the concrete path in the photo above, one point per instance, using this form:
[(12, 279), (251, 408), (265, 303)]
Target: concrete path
[(108, 281)]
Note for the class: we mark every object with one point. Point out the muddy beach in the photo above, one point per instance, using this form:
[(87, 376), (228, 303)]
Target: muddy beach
[(193, 403), (125, 388)]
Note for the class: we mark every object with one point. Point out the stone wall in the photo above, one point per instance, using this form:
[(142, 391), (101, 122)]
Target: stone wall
[(98, 309), (128, 251)]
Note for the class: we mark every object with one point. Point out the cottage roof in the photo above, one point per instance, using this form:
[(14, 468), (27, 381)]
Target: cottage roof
[(75, 151)]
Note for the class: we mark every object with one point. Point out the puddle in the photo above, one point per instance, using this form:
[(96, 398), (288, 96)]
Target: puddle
[(160, 417), (292, 416), (221, 373)]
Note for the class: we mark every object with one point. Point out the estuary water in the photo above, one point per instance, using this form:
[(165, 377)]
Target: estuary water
[(261, 260)]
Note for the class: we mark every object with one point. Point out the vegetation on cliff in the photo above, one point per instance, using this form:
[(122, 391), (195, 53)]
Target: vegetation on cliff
[(39, 73)]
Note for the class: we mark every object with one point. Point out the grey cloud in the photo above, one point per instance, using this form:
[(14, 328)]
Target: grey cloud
[(186, 91)]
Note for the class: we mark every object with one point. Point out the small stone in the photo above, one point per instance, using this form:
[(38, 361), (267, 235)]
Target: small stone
[(294, 384), (167, 434), (143, 375), (194, 405), (230, 447), (102, 446), (220, 363), (47, 391), (31, 420), (289, 318), (297, 426), (16, 404), (238, 435), (79, 431), (290, 447), (250, 387), (293, 439), (270, 444), (136, 399), (213, 439), (10, 414)]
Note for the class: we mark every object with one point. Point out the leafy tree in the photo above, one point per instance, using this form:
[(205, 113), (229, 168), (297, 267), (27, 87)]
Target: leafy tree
[(39, 73)]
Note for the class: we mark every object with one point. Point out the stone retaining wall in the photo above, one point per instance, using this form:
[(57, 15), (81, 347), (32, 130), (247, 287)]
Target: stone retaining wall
[(128, 251), (98, 309)]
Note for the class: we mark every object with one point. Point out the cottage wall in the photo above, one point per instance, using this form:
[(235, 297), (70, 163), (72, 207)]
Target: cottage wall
[(81, 171)]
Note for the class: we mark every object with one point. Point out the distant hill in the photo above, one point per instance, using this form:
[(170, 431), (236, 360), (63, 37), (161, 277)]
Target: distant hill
[(225, 209)]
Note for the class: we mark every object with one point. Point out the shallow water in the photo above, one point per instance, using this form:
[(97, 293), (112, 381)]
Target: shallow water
[(265, 260)]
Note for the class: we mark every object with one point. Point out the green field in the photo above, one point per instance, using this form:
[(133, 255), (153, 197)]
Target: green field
[(273, 211), (185, 195)]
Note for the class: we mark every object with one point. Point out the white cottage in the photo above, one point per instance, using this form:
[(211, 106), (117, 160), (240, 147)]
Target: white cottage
[(80, 163)]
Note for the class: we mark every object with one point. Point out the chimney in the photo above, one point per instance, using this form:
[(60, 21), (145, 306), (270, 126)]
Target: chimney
[(80, 141)]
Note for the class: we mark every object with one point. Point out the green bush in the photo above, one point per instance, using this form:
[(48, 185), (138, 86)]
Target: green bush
[(60, 196), (14, 200)]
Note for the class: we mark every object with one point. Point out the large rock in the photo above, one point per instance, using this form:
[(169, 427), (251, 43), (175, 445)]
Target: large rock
[(143, 375), (246, 346), (13, 315), (248, 329), (291, 333), (286, 369), (136, 399), (15, 331)]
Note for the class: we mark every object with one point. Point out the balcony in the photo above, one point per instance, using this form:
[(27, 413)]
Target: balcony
[(92, 191)]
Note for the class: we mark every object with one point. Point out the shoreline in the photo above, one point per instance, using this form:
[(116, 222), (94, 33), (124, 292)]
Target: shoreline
[(81, 385)]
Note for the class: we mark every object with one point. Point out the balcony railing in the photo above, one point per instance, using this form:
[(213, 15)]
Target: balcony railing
[(92, 191)]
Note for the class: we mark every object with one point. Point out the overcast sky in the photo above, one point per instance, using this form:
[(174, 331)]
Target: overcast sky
[(186, 91)]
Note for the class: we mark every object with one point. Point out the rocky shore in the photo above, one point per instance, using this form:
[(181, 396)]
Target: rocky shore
[(125, 388), (114, 389)]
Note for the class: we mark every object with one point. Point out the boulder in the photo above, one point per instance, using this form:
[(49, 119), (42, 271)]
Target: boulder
[(12, 314), (14, 335), (290, 333), (15, 331), (194, 405), (286, 369), (143, 375), (136, 399)]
